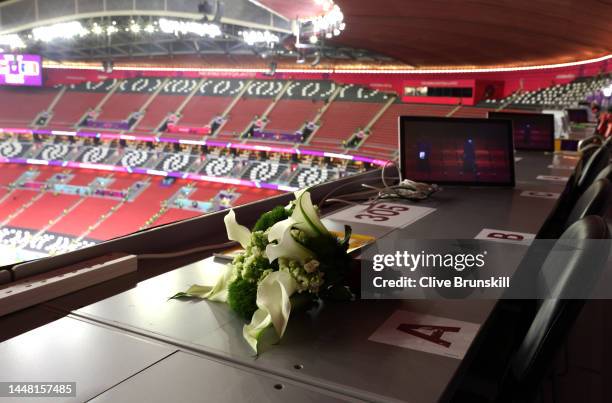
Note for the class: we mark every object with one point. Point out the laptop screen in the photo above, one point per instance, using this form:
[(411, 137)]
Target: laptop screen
[(578, 115), (457, 151), (532, 131)]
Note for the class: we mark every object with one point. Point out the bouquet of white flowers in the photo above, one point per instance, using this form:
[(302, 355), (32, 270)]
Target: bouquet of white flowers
[(289, 253)]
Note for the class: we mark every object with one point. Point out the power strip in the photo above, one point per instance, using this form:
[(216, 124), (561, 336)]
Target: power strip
[(47, 286)]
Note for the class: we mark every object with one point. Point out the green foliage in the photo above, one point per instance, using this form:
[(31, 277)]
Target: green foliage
[(241, 296), (259, 240), (254, 267), (335, 263), (278, 213)]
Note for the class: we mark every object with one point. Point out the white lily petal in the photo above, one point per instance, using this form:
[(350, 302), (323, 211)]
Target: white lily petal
[(274, 306), (217, 292), (277, 230), (306, 216), (259, 322), (288, 247), (235, 231)]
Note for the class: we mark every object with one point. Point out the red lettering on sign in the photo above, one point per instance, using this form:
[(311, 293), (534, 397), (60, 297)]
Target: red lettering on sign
[(511, 237), (381, 212), (436, 332)]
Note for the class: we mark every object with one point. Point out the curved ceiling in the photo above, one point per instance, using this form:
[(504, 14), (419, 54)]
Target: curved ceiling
[(293, 9), (475, 33)]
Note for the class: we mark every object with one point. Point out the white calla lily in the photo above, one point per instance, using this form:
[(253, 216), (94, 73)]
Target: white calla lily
[(235, 231), (286, 245), (305, 215), (273, 304), (277, 230), (218, 292)]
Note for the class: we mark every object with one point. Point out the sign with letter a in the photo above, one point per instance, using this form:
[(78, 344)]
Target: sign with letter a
[(428, 333)]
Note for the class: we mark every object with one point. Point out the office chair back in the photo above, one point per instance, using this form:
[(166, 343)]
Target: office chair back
[(595, 139), (592, 168), (594, 201), (555, 317), (605, 173), (553, 225)]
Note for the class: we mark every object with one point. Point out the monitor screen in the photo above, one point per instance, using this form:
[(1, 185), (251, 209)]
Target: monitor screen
[(577, 115), (20, 70), (532, 131), (457, 151)]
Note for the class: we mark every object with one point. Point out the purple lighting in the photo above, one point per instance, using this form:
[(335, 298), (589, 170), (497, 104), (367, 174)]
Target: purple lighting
[(209, 143), (144, 171)]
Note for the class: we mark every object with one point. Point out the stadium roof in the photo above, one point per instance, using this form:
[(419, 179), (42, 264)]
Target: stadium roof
[(464, 33), (414, 34)]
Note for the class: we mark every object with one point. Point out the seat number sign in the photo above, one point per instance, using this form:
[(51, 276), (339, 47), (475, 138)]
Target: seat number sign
[(385, 214)]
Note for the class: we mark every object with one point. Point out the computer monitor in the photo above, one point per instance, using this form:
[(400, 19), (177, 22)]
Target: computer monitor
[(532, 131), (577, 115), (456, 151)]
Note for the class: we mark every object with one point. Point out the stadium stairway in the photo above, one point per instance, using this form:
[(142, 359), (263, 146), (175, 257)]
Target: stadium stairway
[(254, 100), (213, 98), (115, 86), (290, 115), (143, 109), (43, 211), (174, 214), (126, 99), (170, 98), (49, 110), (15, 205), (20, 106), (73, 108), (132, 215), (383, 133), (351, 109), (471, 112), (274, 103), (66, 212)]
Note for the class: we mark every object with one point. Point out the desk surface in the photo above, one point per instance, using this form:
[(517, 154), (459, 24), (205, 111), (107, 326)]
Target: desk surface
[(69, 350), (189, 378), (330, 350)]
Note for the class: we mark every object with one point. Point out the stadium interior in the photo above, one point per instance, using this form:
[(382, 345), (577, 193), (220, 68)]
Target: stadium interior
[(132, 127)]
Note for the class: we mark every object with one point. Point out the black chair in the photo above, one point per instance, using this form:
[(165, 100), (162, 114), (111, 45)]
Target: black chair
[(605, 173), (608, 143), (589, 171), (509, 372), (552, 224), (595, 139), (585, 155), (575, 276), (594, 201)]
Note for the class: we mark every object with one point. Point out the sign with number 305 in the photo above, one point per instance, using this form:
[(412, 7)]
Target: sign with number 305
[(385, 214)]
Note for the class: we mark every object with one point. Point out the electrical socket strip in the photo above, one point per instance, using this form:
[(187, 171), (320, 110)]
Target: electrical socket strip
[(46, 286)]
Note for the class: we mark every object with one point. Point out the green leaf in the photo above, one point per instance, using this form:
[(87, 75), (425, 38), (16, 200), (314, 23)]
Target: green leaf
[(180, 295)]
